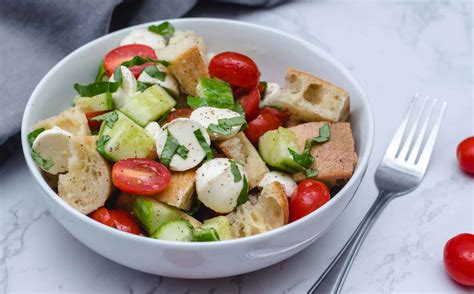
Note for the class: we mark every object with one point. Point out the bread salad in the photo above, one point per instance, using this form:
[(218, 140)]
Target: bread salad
[(174, 143)]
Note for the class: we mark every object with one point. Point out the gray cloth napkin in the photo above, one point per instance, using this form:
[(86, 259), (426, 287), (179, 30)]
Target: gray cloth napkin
[(36, 34)]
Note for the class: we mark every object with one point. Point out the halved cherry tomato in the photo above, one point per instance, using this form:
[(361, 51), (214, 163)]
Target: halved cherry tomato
[(124, 53), (118, 219), (239, 92), (260, 125), (282, 115), (459, 258), (94, 125), (250, 104), (236, 69), (181, 112), (137, 69), (465, 154), (140, 176), (309, 196)]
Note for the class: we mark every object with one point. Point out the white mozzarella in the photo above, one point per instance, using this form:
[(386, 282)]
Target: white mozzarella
[(215, 185), (53, 144), (182, 129), (169, 83), (272, 92), (144, 37), (153, 129), (126, 90), (289, 185), (211, 115)]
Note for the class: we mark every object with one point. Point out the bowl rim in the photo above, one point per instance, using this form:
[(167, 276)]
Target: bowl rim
[(358, 172)]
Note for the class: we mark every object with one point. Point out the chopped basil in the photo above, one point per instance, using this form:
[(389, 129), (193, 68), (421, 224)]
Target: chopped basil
[(196, 102), (203, 143), (235, 171), (171, 148), (101, 73), (117, 74), (311, 172), (139, 60), (324, 134), (165, 29), (155, 73), (46, 164), (33, 134), (239, 109), (264, 85), (96, 88), (141, 86), (305, 160), (100, 144), (164, 117), (182, 151), (225, 125), (244, 194), (217, 93), (110, 118)]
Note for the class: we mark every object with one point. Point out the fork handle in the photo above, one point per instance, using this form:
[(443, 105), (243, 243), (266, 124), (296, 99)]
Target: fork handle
[(332, 279)]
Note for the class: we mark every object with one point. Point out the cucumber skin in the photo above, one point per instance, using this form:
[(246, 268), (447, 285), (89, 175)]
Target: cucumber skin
[(180, 228), (273, 148), (101, 102), (206, 235), (221, 225), (152, 214)]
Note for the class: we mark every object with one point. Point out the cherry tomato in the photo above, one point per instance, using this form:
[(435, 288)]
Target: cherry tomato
[(260, 125), (140, 176), (94, 125), (137, 69), (465, 154), (309, 196), (118, 219), (262, 87), (282, 115), (181, 112), (235, 68), (124, 53), (239, 92), (459, 258), (250, 104)]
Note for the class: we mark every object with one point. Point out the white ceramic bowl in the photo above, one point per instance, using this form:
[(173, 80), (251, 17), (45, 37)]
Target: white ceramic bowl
[(274, 52)]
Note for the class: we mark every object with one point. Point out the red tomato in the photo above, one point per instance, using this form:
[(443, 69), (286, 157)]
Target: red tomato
[(260, 125), (459, 258), (239, 92), (137, 69), (181, 112), (250, 104), (118, 219), (465, 153), (309, 196), (282, 115), (235, 68), (94, 125), (140, 176), (124, 53)]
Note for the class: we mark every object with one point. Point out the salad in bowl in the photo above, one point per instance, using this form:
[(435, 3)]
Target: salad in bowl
[(176, 143)]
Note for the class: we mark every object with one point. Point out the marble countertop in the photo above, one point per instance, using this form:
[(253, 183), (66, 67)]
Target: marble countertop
[(394, 50)]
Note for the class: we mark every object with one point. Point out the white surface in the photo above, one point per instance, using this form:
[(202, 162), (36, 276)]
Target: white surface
[(394, 50)]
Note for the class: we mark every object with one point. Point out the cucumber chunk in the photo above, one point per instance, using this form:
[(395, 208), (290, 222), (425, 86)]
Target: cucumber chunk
[(122, 138), (178, 230), (216, 93), (221, 225), (273, 148), (101, 102), (205, 235), (148, 105), (152, 213)]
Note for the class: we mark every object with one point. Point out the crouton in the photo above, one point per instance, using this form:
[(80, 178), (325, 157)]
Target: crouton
[(309, 98), (336, 158), (269, 211), (180, 190), (72, 120), (88, 182), (186, 53), (243, 152)]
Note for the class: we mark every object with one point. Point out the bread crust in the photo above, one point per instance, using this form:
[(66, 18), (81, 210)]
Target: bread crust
[(72, 120), (180, 190)]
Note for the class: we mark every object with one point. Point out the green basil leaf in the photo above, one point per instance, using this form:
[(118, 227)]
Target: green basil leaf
[(225, 125), (33, 134), (196, 102), (46, 164), (165, 29), (324, 134), (169, 149), (218, 129), (101, 73), (304, 160), (217, 93), (207, 149), (110, 118), (141, 86), (182, 151), (139, 60), (155, 73), (235, 171), (96, 88), (164, 117), (311, 172), (264, 85), (244, 194), (100, 144), (239, 109), (117, 74)]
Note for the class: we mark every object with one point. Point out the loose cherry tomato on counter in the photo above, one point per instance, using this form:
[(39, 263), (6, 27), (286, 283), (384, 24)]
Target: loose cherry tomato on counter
[(465, 154), (459, 258), (181, 112), (236, 69), (125, 53), (94, 125), (263, 123), (140, 176), (309, 196), (250, 104), (118, 219), (282, 115)]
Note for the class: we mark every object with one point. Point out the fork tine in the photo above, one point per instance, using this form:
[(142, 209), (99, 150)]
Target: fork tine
[(416, 148), (394, 145), (411, 134), (428, 149)]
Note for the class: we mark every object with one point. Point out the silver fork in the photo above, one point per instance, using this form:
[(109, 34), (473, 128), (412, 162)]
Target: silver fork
[(400, 172)]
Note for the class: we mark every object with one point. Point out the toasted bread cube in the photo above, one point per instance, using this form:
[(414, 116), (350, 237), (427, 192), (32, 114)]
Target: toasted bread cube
[(336, 158), (243, 152), (88, 182), (180, 190), (309, 98), (72, 120)]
